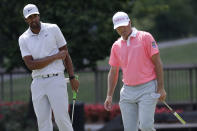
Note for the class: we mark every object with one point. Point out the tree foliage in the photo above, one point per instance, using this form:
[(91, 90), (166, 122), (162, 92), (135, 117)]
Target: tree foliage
[(87, 25), (166, 19)]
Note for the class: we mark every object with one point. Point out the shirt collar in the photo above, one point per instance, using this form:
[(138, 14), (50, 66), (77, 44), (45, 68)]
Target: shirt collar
[(41, 30), (133, 34)]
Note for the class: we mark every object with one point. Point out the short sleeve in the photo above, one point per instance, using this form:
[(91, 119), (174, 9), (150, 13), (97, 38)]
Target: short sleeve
[(23, 47), (60, 40), (113, 60), (150, 45)]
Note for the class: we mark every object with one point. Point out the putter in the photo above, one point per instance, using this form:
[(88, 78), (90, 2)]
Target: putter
[(156, 95), (74, 100)]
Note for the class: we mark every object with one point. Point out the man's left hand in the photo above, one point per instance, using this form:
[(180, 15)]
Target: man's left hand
[(162, 92), (74, 84)]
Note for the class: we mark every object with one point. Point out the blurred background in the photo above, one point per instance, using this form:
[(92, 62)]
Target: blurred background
[(88, 28)]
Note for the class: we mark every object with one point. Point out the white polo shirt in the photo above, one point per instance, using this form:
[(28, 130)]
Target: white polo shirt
[(41, 45)]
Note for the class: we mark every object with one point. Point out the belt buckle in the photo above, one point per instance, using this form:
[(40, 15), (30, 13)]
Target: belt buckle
[(46, 76)]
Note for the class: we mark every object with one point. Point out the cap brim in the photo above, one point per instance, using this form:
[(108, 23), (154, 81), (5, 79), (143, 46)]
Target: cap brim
[(121, 24), (32, 14)]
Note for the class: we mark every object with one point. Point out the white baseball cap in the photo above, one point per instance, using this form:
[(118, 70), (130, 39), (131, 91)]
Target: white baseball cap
[(120, 19), (29, 10)]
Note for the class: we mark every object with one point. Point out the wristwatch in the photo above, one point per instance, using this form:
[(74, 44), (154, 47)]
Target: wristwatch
[(71, 77)]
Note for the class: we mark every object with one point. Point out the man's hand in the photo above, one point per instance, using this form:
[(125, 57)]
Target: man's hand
[(108, 103), (74, 84), (61, 54), (162, 92)]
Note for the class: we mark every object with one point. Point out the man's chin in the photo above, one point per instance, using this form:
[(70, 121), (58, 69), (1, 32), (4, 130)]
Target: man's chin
[(35, 27)]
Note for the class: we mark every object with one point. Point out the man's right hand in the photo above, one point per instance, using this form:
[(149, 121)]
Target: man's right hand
[(61, 54), (108, 103)]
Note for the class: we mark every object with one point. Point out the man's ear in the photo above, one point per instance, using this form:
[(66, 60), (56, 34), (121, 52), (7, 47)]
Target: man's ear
[(25, 20), (130, 23)]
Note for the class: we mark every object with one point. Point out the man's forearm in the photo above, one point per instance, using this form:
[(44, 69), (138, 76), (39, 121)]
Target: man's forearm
[(67, 61), (159, 73), (159, 70), (69, 66), (112, 81), (39, 63)]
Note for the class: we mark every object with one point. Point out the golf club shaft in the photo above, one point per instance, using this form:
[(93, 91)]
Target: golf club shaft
[(168, 106), (73, 109)]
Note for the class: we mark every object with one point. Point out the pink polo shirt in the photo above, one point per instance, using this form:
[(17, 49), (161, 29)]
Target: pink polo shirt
[(134, 57)]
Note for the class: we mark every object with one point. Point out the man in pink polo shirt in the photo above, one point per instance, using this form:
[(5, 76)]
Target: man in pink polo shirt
[(137, 54)]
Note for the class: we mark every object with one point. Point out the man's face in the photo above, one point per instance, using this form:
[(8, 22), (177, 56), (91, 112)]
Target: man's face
[(33, 21), (124, 31)]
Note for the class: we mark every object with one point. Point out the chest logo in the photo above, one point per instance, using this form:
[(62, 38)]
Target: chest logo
[(135, 46)]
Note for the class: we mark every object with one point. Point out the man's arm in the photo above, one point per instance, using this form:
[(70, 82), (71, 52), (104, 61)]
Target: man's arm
[(112, 81), (68, 62), (41, 63), (69, 66), (160, 79)]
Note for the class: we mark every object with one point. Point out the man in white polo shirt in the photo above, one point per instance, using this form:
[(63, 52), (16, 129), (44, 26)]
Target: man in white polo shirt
[(43, 49), (137, 54)]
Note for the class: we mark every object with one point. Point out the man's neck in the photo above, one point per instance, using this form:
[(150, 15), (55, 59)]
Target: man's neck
[(35, 31), (125, 38)]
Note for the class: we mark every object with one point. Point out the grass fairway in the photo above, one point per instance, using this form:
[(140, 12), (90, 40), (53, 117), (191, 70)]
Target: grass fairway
[(21, 88), (185, 54), (177, 88), (86, 91)]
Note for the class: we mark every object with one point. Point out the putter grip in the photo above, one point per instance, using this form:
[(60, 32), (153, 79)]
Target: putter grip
[(74, 95), (74, 92), (180, 119)]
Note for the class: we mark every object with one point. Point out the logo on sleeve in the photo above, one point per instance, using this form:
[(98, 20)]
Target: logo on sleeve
[(154, 44)]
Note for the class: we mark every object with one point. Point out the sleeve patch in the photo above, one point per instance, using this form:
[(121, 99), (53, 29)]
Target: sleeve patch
[(154, 44)]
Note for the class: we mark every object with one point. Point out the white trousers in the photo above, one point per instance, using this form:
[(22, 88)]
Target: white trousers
[(138, 106), (51, 94)]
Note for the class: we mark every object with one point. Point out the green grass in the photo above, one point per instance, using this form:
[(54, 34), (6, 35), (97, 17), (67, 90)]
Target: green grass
[(21, 88), (177, 90), (178, 87), (185, 54), (86, 91)]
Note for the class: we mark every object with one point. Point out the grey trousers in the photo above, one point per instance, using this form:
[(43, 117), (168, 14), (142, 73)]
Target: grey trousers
[(51, 94), (138, 107)]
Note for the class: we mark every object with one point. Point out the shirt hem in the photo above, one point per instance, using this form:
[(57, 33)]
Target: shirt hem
[(140, 83)]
